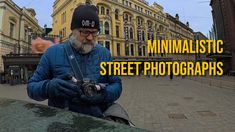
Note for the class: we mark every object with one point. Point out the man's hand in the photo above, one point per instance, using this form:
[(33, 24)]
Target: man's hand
[(62, 87), (95, 99)]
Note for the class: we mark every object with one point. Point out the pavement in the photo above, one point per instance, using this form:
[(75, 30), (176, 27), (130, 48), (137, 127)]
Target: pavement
[(162, 105)]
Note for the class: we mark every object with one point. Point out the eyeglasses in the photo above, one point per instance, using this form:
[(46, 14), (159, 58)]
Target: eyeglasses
[(86, 33)]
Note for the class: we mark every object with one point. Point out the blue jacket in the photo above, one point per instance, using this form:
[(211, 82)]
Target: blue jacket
[(54, 62)]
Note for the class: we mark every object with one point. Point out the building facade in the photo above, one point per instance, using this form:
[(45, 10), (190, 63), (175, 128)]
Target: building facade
[(223, 12), (180, 31), (201, 57), (126, 26), (16, 26)]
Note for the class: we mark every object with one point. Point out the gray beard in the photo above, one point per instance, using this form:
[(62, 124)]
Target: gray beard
[(82, 48)]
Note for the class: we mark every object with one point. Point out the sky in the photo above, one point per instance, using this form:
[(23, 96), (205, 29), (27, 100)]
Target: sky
[(196, 12)]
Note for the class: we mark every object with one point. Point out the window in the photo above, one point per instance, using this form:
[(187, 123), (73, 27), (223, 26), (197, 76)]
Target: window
[(101, 27), (63, 17), (127, 49), (132, 49), (126, 33), (64, 32), (102, 10), (26, 34), (107, 11), (117, 31), (139, 35), (107, 45), (138, 21), (118, 49), (60, 33), (116, 14), (143, 38), (144, 50), (12, 30), (126, 18), (126, 3), (140, 51), (150, 36), (106, 27), (101, 43), (131, 33)]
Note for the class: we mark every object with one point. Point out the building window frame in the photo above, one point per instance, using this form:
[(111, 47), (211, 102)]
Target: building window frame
[(107, 11), (12, 29), (131, 33), (107, 45), (106, 28), (132, 49), (117, 32), (116, 14), (118, 49), (102, 10)]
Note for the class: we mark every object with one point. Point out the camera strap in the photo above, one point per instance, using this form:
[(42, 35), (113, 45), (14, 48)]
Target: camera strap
[(73, 62)]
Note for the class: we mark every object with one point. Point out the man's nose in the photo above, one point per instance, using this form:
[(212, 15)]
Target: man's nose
[(89, 37)]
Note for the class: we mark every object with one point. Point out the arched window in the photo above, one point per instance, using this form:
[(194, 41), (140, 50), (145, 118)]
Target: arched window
[(116, 14), (102, 10), (131, 33), (106, 26)]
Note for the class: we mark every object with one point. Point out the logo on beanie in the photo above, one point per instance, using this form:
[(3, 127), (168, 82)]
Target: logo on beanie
[(88, 23)]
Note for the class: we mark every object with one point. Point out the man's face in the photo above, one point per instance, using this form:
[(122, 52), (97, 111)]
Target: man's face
[(85, 39), (87, 35)]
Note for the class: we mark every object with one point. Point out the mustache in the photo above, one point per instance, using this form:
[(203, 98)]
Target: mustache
[(88, 43)]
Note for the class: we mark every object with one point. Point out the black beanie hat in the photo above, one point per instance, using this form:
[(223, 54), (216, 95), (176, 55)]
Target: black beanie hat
[(85, 16)]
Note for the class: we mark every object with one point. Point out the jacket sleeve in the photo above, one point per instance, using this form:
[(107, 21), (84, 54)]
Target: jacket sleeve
[(36, 87), (114, 89)]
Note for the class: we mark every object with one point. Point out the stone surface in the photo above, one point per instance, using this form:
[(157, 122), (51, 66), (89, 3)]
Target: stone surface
[(28, 117)]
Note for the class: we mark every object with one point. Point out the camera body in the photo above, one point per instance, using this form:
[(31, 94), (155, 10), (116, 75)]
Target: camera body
[(89, 87)]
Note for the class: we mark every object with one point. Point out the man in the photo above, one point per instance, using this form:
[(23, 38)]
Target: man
[(53, 77)]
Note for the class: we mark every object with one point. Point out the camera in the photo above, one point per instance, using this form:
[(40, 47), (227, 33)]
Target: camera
[(88, 86)]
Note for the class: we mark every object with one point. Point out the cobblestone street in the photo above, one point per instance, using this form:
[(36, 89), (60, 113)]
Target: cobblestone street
[(161, 104)]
